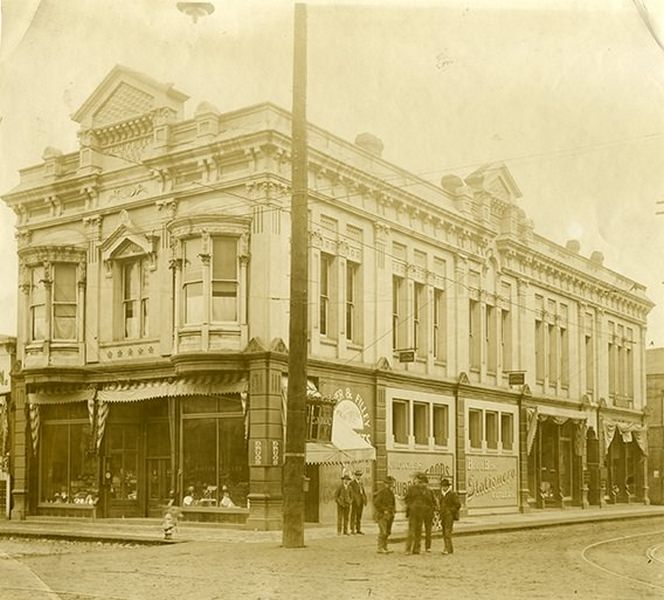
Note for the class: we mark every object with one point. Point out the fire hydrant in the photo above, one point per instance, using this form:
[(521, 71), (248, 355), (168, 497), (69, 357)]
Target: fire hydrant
[(170, 521)]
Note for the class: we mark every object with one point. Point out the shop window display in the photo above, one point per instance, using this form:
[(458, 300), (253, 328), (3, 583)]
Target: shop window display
[(68, 469), (214, 453)]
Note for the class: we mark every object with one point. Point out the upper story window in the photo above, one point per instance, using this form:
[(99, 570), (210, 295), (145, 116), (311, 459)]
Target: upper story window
[(50, 280), (210, 258), (209, 280), (64, 301), (135, 298), (352, 297), (326, 292)]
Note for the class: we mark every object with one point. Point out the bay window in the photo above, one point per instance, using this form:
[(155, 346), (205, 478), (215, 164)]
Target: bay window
[(210, 264)]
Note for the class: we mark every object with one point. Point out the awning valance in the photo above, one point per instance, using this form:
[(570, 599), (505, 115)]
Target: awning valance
[(628, 432), (148, 390), (347, 446), (61, 397)]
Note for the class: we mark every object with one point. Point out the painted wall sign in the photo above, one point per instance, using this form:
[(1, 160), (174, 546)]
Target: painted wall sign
[(491, 481), (352, 409), (403, 465)]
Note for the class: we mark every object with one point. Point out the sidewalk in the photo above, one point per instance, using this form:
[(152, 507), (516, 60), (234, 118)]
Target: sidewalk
[(149, 531)]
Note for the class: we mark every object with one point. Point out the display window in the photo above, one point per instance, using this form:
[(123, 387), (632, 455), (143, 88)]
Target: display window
[(214, 453), (68, 467)]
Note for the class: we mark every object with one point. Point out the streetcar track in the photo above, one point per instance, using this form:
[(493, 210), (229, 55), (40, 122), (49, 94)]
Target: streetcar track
[(617, 573)]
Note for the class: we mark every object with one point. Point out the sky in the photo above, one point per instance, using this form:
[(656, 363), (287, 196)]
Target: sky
[(568, 94)]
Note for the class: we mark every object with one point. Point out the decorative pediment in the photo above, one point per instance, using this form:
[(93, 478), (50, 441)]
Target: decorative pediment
[(496, 181), (126, 242), (383, 364), (126, 94)]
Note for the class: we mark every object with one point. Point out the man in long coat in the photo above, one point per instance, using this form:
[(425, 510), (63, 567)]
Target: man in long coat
[(384, 508), (343, 498), (449, 512), (359, 497)]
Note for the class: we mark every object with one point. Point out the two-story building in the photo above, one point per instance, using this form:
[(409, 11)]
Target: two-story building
[(153, 309)]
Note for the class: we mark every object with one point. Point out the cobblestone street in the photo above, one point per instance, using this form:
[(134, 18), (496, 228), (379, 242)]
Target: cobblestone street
[(526, 564)]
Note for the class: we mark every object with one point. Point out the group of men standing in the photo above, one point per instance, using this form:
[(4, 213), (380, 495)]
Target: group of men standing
[(422, 503), (351, 498)]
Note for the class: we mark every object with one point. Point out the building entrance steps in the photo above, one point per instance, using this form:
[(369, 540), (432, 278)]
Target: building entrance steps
[(149, 531)]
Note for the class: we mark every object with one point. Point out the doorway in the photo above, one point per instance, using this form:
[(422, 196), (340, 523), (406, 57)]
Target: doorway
[(312, 495)]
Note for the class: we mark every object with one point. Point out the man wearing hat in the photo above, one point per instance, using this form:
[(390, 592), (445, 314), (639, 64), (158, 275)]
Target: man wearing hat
[(384, 509), (419, 502), (343, 498), (449, 512), (359, 497)]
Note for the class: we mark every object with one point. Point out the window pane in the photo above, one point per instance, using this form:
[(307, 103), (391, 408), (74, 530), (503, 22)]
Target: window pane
[(224, 260), (199, 443), (440, 424), (400, 421), (475, 428), (491, 430), (421, 422), (192, 268), (507, 430), (64, 288), (233, 459), (83, 465), (54, 446), (159, 444), (130, 280), (38, 322), (193, 303), (224, 301), (200, 404), (37, 286), (64, 321)]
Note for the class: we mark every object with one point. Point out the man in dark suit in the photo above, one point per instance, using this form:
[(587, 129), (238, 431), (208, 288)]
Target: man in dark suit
[(384, 504), (359, 501), (343, 498), (419, 503), (449, 512)]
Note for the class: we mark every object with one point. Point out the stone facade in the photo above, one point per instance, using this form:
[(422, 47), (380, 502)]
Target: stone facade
[(154, 303)]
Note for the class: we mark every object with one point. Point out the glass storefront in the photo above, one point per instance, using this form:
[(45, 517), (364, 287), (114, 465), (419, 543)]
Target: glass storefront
[(214, 452), (68, 466)]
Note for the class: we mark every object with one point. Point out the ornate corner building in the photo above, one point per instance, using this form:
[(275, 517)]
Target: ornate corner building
[(154, 296)]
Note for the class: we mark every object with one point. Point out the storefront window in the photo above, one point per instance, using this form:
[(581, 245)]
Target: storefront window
[(68, 470), (214, 452)]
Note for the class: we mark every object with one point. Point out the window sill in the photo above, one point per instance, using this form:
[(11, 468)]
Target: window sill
[(327, 341)]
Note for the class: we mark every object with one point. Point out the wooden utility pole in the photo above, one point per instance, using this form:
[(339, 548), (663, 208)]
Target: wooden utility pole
[(293, 472)]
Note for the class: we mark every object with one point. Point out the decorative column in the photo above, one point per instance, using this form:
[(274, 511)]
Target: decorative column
[(267, 412), (20, 449), (243, 283), (206, 267), (460, 436), (175, 265), (93, 229), (524, 491)]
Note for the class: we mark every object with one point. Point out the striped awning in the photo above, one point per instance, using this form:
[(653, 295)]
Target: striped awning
[(147, 390), (61, 396)]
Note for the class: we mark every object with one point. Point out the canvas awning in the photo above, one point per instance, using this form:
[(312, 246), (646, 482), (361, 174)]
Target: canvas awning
[(347, 446), (148, 390)]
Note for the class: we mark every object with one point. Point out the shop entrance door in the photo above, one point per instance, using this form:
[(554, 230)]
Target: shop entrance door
[(159, 484), (121, 473)]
